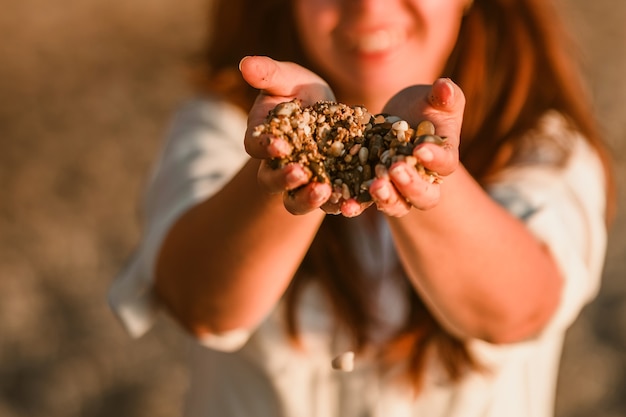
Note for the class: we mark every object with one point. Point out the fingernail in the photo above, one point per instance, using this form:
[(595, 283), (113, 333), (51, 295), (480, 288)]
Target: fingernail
[(241, 62), (350, 209), (383, 193), (424, 154), (318, 194), (296, 177), (445, 94), (449, 85), (400, 174)]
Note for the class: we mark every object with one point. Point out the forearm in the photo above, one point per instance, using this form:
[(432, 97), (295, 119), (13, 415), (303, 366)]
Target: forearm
[(227, 261), (480, 270)]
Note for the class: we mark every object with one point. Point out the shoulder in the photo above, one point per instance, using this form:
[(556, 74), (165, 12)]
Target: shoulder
[(203, 127), (555, 153), (208, 111), (552, 142)]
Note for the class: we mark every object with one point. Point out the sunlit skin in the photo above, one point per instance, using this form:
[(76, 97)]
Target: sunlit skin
[(478, 268), (443, 102), (369, 50)]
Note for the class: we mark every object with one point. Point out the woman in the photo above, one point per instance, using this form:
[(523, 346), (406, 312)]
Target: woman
[(454, 296)]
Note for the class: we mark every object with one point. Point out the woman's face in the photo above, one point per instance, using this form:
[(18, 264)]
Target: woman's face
[(369, 50)]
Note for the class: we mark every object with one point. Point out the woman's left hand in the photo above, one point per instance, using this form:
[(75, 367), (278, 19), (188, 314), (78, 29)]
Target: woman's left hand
[(443, 104)]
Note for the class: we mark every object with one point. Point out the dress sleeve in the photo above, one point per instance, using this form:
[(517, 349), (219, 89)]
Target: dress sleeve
[(564, 208), (203, 151)]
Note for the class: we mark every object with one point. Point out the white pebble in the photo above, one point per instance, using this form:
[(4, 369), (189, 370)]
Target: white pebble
[(400, 125), (336, 149), (286, 109), (392, 119), (344, 362)]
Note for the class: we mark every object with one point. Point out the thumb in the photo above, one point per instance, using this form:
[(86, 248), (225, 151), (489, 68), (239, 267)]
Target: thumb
[(284, 79)]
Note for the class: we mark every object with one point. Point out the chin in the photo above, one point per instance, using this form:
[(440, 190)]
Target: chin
[(384, 89)]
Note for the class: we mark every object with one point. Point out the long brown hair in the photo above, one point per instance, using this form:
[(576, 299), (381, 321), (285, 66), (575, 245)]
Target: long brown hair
[(514, 62)]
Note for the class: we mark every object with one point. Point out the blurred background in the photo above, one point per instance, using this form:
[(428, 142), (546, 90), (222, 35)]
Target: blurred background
[(87, 88)]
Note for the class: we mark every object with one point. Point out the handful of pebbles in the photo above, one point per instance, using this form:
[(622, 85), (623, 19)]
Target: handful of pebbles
[(346, 146)]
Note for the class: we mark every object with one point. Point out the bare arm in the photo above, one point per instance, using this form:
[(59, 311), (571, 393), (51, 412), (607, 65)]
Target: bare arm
[(478, 268), (226, 262), (223, 265)]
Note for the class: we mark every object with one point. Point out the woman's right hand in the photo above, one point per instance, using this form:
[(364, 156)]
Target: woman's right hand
[(279, 82)]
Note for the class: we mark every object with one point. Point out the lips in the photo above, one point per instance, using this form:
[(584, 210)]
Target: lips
[(375, 41)]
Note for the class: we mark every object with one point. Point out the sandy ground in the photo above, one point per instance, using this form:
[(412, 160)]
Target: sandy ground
[(86, 91)]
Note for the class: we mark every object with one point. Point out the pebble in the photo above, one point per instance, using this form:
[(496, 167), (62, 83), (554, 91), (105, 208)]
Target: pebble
[(425, 127), (336, 141), (344, 362)]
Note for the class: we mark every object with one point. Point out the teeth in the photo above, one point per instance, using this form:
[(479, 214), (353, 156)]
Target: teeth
[(378, 41)]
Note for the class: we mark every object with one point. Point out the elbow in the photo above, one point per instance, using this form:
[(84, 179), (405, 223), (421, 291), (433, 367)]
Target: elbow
[(515, 320), (517, 325), (179, 312), (181, 309), (514, 330), (193, 322), (223, 338), (197, 317)]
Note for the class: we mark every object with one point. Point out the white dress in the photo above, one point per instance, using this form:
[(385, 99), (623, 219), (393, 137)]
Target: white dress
[(257, 373)]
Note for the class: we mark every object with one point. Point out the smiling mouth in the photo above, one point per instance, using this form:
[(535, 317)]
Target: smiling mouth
[(375, 42)]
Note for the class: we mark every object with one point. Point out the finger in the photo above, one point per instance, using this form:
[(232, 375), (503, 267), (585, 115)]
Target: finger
[(352, 208), (284, 79), (447, 105), (265, 146), (388, 199), (288, 178), (347, 208), (442, 103), (414, 188), (307, 198), (447, 96), (442, 159)]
